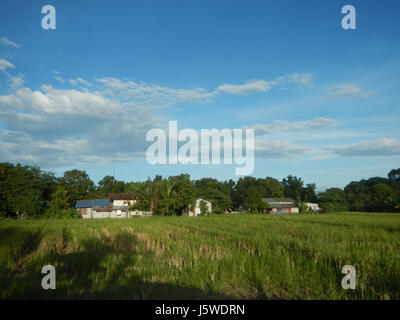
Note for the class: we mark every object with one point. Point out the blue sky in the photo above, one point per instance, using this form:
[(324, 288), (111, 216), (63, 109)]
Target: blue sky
[(324, 99)]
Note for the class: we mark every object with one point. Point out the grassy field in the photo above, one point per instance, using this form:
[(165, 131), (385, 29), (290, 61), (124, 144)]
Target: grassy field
[(213, 257)]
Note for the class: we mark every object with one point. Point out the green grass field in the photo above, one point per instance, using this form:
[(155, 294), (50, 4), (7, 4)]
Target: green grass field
[(212, 257)]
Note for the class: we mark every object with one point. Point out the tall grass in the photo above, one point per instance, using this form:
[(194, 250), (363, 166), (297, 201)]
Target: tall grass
[(231, 257)]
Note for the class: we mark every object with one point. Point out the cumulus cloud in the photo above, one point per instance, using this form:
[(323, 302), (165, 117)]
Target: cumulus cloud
[(7, 42), (106, 121), (379, 147), (51, 127), (281, 125), (348, 91)]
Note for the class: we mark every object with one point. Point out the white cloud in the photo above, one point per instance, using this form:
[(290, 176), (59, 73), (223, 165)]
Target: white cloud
[(4, 64), (16, 81), (142, 92), (281, 125), (51, 100), (251, 86), (264, 86), (277, 149), (8, 42), (348, 90), (80, 80), (59, 79), (73, 82), (379, 147), (166, 96), (77, 81), (52, 127)]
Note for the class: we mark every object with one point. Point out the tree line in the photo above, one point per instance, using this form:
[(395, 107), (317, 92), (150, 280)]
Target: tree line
[(32, 192)]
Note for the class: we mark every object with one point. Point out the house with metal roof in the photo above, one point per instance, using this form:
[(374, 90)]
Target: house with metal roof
[(101, 208), (81, 204), (122, 199), (281, 205)]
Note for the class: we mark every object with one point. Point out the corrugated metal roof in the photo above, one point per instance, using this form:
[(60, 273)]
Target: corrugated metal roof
[(92, 203), (281, 206), (271, 200)]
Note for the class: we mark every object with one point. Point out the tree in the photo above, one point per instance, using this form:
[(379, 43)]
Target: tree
[(109, 185), (273, 188), (168, 197), (309, 194), (333, 199), (185, 193), (394, 174), (218, 193), (240, 190), (253, 199), (382, 198), (293, 187), (24, 190), (60, 198), (151, 193), (77, 183)]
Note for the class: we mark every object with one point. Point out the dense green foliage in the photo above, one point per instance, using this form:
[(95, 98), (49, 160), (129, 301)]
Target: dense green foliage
[(30, 192), (217, 256)]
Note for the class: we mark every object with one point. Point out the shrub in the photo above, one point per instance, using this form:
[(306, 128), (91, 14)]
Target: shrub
[(217, 210)]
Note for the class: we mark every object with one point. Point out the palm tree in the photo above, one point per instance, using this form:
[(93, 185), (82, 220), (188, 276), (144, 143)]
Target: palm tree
[(169, 193)]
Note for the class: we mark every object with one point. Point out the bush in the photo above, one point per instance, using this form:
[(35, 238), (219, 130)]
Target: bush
[(58, 213), (217, 210)]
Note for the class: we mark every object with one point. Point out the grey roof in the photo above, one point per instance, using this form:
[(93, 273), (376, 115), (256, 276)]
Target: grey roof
[(281, 206), (272, 200), (92, 203)]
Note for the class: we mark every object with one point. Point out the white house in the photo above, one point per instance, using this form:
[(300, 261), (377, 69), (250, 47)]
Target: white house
[(197, 208), (313, 207)]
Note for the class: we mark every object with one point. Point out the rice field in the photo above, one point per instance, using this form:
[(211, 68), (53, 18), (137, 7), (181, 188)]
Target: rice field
[(206, 257)]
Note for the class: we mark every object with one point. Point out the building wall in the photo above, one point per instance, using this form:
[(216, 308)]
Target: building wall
[(284, 210), (85, 212), (123, 203), (90, 213), (312, 206), (196, 211), (208, 204)]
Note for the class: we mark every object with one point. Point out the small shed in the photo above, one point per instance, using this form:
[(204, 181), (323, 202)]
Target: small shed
[(197, 208), (281, 205), (312, 207)]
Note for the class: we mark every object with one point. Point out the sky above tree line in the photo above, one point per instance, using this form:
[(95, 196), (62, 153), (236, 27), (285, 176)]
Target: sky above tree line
[(323, 101)]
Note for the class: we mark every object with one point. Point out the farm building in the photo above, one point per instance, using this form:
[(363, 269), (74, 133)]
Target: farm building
[(116, 206), (197, 208), (312, 207), (122, 199), (281, 205)]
